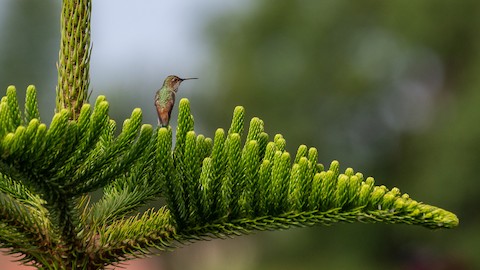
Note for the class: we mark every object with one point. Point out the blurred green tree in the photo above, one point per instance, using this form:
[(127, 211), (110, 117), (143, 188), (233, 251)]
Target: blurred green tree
[(29, 47)]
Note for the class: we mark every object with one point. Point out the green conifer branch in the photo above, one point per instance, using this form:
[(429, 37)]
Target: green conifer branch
[(152, 229), (31, 105), (74, 56), (213, 188), (298, 195), (128, 192), (24, 220)]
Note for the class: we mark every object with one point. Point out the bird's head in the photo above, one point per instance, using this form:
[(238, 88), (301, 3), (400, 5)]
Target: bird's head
[(173, 82)]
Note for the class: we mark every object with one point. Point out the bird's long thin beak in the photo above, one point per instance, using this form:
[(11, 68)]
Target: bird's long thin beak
[(184, 79)]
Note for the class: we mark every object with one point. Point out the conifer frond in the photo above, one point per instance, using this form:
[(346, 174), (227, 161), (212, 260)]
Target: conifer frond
[(254, 185), (51, 166), (128, 192), (74, 56), (31, 105), (133, 237), (212, 188), (24, 215)]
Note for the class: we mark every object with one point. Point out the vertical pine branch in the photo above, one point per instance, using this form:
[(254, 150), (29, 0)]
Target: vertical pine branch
[(74, 56), (71, 93)]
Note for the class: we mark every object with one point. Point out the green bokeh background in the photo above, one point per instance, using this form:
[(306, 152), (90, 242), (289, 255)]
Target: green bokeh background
[(390, 88)]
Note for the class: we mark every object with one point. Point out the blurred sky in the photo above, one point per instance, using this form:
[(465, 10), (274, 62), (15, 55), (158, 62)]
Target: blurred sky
[(151, 39), (135, 46)]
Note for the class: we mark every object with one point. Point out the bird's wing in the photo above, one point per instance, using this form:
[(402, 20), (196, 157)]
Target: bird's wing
[(170, 104), (164, 111)]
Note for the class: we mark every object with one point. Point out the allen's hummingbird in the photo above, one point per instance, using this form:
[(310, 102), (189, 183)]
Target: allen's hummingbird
[(165, 98)]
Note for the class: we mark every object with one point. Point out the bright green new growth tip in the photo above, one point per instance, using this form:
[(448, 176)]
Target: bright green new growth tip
[(230, 185)]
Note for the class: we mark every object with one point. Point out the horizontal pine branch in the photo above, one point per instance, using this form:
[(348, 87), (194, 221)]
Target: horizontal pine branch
[(240, 181)]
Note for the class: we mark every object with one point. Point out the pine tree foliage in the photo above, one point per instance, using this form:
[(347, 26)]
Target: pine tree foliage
[(238, 182)]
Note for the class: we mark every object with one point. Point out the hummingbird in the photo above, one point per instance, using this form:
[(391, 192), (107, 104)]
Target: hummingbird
[(165, 98)]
